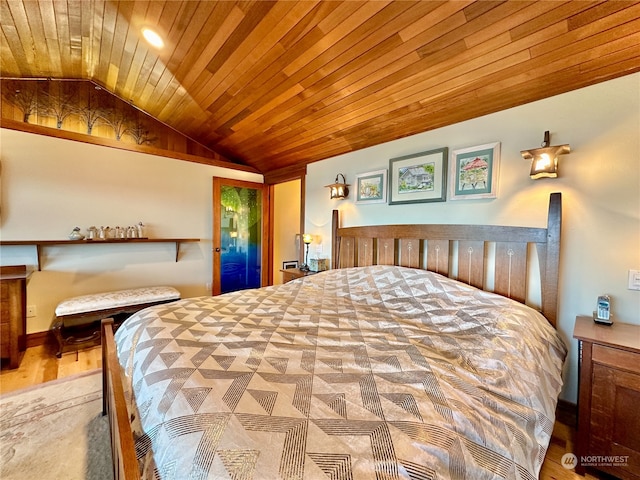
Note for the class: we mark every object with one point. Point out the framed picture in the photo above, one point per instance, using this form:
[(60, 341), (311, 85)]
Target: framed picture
[(371, 187), (417, 178), (289, 264), (473, 172)]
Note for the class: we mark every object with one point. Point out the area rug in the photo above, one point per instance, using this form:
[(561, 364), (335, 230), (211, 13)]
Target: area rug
[(55, 431)]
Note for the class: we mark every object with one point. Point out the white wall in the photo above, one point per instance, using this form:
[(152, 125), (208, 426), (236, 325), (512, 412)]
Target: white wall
[(49, 186), (599, 181)]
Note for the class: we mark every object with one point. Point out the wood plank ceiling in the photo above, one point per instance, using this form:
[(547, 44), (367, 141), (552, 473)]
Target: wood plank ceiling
[(274, 84)]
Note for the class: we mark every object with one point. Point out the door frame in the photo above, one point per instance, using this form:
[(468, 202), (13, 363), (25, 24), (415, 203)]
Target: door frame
[(266, 248), (280, 176), (299, 228)]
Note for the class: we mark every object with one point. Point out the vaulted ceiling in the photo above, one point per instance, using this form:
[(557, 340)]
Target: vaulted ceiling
[(274, 84)]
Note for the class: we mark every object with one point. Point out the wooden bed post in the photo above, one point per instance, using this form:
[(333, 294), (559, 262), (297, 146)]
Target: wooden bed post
[(123, 451), (552, 262), (105, 368)]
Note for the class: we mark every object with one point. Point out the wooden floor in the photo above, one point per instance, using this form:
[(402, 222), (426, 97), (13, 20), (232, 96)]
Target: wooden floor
[(39, 364)]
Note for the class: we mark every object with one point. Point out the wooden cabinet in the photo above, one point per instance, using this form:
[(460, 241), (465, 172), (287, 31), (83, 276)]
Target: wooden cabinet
[(13, 313), (289, 274), (608, 436)]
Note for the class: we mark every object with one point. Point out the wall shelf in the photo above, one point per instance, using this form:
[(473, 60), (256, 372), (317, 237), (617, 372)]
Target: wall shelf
[(45, 243)]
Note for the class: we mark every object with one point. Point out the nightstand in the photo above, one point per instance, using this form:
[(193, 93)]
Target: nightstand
[(289, 274), (608, 437)]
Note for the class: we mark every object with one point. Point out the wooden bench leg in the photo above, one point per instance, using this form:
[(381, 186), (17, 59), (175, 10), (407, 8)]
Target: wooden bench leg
[(57, 332)]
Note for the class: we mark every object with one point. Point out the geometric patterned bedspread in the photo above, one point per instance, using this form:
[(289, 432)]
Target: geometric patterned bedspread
[(372, 372)]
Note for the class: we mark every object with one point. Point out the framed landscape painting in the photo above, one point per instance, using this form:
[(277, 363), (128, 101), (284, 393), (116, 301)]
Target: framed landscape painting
[(474, 172), (371, 187), (418, 178)]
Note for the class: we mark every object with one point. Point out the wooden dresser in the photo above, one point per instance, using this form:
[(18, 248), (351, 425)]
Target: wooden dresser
[(608, 437), (13, 313)]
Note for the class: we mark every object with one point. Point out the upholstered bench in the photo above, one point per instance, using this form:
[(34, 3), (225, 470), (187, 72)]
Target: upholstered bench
[(77, 322)]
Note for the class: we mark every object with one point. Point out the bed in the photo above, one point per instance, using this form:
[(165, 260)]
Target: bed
[(383, 367)]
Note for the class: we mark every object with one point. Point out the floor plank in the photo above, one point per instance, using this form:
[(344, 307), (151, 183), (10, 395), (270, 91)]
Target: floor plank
[(39, 364)]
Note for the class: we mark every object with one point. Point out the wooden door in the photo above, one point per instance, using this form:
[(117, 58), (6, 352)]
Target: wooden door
[(240, 235)]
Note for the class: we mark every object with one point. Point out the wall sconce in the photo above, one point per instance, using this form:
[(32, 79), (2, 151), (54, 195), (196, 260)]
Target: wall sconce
[(544, 160), (307, 239), (339, 190)]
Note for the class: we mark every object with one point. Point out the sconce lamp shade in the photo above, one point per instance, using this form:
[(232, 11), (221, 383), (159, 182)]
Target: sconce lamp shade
[(544, 160), (307, 238), (339, 190)]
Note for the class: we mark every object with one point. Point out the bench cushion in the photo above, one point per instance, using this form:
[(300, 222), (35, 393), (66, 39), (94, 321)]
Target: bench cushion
[(120, 298)]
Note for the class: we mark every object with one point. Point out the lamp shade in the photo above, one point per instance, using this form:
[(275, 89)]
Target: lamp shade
[(544, 160), (307, 238), (339, 190)]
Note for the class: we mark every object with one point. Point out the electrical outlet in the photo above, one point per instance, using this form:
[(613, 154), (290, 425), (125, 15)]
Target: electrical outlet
[(32, 311), (208, 287), (634, 280)]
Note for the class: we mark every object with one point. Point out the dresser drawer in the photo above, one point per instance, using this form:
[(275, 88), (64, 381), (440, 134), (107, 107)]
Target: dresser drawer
[(4, 340), (4, 293), (616, 358)]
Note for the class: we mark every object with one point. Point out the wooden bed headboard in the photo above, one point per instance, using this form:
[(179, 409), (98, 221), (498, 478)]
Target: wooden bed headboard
[(490, 257)]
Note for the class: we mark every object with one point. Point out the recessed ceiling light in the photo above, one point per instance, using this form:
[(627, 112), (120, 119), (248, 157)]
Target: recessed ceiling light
[(152, 37)]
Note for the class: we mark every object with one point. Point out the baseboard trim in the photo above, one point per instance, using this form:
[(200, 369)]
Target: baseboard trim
[(567, 413), (39, 338)]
